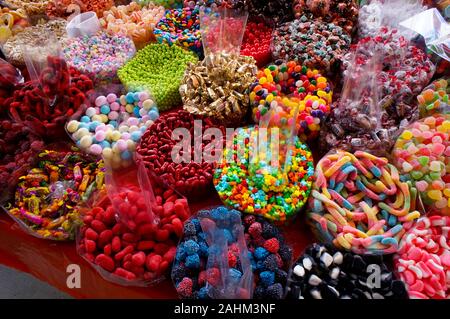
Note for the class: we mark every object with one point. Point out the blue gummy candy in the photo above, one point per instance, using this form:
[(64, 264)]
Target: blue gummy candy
[(267, 278), (261, 253), (234, 275), (191, 247), (192, 261)]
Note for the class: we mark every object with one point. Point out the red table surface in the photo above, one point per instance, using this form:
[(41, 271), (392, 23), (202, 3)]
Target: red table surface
[(48, 260)]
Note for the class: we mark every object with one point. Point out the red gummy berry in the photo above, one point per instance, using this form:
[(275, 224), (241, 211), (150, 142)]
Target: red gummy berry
[(153, 262), (91, 234), (90, 245), (272, 245), (138, 259), (202, 278), (184, 288), (232, 260), (255, 230), (105, 262), (213, 276)]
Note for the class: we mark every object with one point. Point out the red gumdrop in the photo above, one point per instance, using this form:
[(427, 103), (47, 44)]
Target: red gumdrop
[(138, 259), (133, 197), (105, 262), (168, 208), (117, 229), (105, 237), (146, 230), (202, 278), (180, 211), (152, 262), (116, 244), (98, 226), (141, 204), (163, 266), (170, 254), (107, 250), (177, 227), (213, 276), (124, 208), (130, 237), (110, 216), (90, 245), (145, 245), (172, 199), (161, 248), (272, 245), (88, 219), (142, 217), (184, 288), (91, 234), (125, 274), (162, 235)]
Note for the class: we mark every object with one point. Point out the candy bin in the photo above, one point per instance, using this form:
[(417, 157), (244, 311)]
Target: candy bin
[(181, 150), (101, 64), (277, 84), (158, 69), (435, 98), (130, 232), (180, 27), (55, 93), (68, 8), (306, 43), (266, 170), (135, 20), (423, 260), (326, 273), (46, 198), (422, 155), (257, 41), (212, 260), (359, 203), (113, 126)]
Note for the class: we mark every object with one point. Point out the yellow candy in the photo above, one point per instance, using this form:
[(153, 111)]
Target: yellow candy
[(435, 194), (262, 80), (321, 79), (269, 98), (407, 135), (129, 108), (447, 192)]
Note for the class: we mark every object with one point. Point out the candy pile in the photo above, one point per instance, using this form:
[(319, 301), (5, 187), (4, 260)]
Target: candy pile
[(312, 43), (422, 153), (114, 126), (101, 63), (360, 204), (135, 21), (12, 22), (159, 69), (212, 260), (246, 186), (423, 260), (180, 27), (67, 8), (67, 89), (257, 42), (198, 3), (31, 7), (47, 196), (35, 35), (302, 85), (270, 257), (188, 169), (217, 87), (140, 257), (274, 10), (10, 77), (343, 13), (435, 98), (18, 147), (326, 273)]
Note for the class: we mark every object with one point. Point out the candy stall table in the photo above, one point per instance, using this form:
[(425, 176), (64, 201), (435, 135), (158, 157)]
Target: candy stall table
[(48, 260)]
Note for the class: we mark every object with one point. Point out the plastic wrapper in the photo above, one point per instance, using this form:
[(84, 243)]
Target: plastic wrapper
[(387, 13), (84, 24), (10, 77), (140, 255), (325, 273), (266, 170), (257, 41), (212, 259), (359, 203), (46, 198), (422, 156), (113, 125)]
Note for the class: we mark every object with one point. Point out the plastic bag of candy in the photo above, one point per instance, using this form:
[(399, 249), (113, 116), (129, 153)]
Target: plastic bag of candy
[(435, 98), (10, 77), (129, 236), (47, 196), (212, 260)]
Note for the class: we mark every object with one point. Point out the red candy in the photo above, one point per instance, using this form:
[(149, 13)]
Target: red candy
[(155, 151), (140, 255), (256, 42)]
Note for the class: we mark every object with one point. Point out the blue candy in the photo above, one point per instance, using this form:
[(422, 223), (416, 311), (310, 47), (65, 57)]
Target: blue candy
[(126, 155), (85, 119), (234, 275), (261, 253), (104, 109), (191, 247), (267, 278), (192, 261), (136, 135), (129, 98)]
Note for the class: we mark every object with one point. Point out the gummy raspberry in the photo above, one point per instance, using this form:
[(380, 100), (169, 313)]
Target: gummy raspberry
[(267, 278), (249, 219), (189, 229), (255, 230), (272, 245), (261, 253), (271, 263), (274, 291), (232, 259), (184, 288), (269, 231), (286, 254), (213, 276), (179, 272), (259, 292), (281, 276), (191, 247), (193, 261)]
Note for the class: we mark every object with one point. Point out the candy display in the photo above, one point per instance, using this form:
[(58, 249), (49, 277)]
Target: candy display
[(180, 27), (198, 3), (326, 273), (217, 87), (274, 10), (422, 154), (212, 259), (66, 8), (435, 98), (311, 43), (257, 42), (101, 64), (11, 22), (300, 85), (31, 7), (158, 69), (31, 104), (137, 257), (18, 147), (423, 260), (270, 257), (359, 203), (47, 196), (343, 13), (136, 21), (253, 188), (114, 125), (189, 170), (32, 36)]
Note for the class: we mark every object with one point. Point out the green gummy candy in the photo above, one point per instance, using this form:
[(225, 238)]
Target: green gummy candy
[(424, 160)]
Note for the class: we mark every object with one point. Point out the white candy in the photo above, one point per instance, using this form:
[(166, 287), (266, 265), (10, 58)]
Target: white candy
[(338, 258), (314, 280), (86, 141), (299, 271), (326, 259), (72, 126)]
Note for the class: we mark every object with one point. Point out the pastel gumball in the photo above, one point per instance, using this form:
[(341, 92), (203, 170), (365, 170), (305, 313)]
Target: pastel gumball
[(97, 118), (86, 141), (107, 153), (147, 104), (72, 126), (113, 115), (114, 124), (133, 128), (100, 136), (129, 108), (85, 119), (142, 112), (131, 145), (143, 96), (104, 109), (101, 100), (114, 106), (91, 111), (132, 121), (95, 149), (115, 136), (123, 128), (122, 145), (111, 97), (136, 135), (125, 136)]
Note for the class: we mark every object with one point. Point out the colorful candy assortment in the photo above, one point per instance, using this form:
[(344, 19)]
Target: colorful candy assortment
[(435, 98), (422, 154), (359, 203), (326, 273), (254, 188), (300, 85), (423, 260), (114, 125), (67, 8), (47, 196)]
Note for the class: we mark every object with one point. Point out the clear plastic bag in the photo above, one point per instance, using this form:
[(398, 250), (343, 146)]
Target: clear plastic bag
[(212, 260)]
